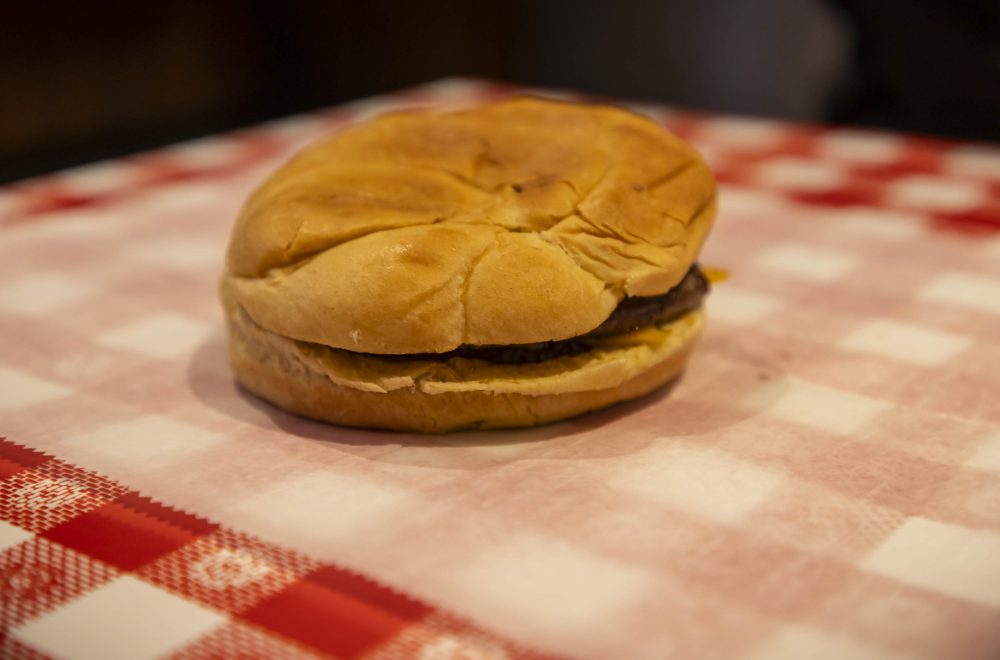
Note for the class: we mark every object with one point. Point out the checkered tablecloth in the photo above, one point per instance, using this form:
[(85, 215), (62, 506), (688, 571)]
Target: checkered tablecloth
[(823, 483)]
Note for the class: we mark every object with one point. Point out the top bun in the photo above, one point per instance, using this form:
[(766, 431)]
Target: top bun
[(521, 221)]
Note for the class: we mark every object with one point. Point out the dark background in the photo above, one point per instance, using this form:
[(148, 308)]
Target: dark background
[(82, 81)]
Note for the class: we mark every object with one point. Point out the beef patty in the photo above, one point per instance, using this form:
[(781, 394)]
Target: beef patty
[(631, 314)]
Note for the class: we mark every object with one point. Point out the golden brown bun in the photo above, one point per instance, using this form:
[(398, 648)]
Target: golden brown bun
[(517, 222), (293, 376)]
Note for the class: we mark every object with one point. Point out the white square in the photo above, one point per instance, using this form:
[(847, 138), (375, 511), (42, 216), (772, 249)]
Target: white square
[(750, 201), (40, 293), (818, 406), (905, 341), (935, 193), (986, 455), (991, 247), (974, 160), (879, 224), (796, 173), (126, 618), (178, 253), (11, 535), (799, 642), (971, 291), (546, 589), (742, 133), (736, 306), (957, 561), (807, 263), (146, 442), (204, 153), (701, 481), (77, 225), (8, 204), (187, 198), (860, 146), (97, 178), (163, 336), (20, 390), (322, 510), (714, 157)]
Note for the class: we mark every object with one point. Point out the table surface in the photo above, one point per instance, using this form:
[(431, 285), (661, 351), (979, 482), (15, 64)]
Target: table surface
[(823, 482)]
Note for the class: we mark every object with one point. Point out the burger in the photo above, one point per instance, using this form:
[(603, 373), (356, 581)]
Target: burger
[(505, 265)]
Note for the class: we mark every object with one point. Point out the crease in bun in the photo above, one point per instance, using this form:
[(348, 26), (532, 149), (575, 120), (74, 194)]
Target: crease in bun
[(452, 220)]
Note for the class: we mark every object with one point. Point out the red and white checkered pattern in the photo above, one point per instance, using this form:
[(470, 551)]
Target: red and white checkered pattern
[(824, 481), (91, 569)]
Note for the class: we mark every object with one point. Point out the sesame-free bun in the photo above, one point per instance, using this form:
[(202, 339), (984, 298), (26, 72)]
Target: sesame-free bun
[(516, 222), (357, 267)]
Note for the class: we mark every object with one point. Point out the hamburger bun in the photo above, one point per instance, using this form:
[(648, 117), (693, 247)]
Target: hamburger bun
[(372, 280)]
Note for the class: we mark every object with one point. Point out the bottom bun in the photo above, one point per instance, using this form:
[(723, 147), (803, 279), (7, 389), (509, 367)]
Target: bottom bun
[(305, 390)]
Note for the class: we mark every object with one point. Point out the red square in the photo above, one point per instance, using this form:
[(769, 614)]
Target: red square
[(367, 591), (120, 536), (171, 516), (21, 454), (334, 622), (9, 467)]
